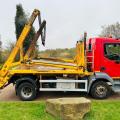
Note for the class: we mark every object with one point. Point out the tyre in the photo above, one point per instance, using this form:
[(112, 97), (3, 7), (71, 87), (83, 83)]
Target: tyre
[(26, 91), (100, 90)]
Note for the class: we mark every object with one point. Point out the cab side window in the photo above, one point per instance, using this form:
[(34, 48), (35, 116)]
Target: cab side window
[(112, 51)]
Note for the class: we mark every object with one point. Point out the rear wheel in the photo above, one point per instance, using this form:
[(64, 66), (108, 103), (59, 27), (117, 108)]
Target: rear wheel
[(100, 90), (26, 91)]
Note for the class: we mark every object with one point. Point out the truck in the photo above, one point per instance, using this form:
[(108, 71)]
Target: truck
[(95, 68)]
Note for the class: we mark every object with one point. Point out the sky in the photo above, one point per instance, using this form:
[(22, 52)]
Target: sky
[(66, 20)]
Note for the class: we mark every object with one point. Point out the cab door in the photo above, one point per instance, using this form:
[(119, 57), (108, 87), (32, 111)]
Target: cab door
[(110, 63)]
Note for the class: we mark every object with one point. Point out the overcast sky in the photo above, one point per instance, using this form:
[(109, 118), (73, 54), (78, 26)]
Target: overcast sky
[(66, 19)]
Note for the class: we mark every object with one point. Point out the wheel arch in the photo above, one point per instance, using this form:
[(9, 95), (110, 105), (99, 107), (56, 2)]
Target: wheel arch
[(100, 77), (16, 77), (28, 78)]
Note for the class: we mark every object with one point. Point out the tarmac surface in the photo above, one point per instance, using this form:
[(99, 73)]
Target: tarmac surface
[(8, 94)]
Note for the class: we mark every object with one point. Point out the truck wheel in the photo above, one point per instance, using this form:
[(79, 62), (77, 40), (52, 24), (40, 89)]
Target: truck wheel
[(26, 91), (100, 90)]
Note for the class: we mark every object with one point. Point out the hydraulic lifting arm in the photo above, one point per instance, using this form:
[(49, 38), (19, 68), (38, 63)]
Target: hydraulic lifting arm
[(29, 54), (4, 73)]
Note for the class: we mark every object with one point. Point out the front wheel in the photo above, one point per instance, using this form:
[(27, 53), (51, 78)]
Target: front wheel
[(26, 91), (100, 90)]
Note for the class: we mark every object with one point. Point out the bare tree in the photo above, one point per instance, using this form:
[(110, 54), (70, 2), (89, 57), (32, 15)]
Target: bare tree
[(111, 30)]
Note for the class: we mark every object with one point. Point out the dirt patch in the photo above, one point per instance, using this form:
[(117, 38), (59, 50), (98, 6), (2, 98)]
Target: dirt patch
[(8, 94)]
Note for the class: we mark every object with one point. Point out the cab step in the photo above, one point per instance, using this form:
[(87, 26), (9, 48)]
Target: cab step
[(116, 86)]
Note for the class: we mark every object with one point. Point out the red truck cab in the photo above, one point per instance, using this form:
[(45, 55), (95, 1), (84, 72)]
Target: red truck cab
[(103, 55)]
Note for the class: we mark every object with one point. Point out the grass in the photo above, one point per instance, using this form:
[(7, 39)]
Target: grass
[(23, 111), (104, 110), (101, 110)]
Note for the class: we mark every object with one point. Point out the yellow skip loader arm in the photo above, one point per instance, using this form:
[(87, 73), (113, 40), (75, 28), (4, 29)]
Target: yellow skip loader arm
[(29, 54), (4, 73)]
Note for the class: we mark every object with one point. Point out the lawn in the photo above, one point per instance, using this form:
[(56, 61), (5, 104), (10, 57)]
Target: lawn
[(101, 110)]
